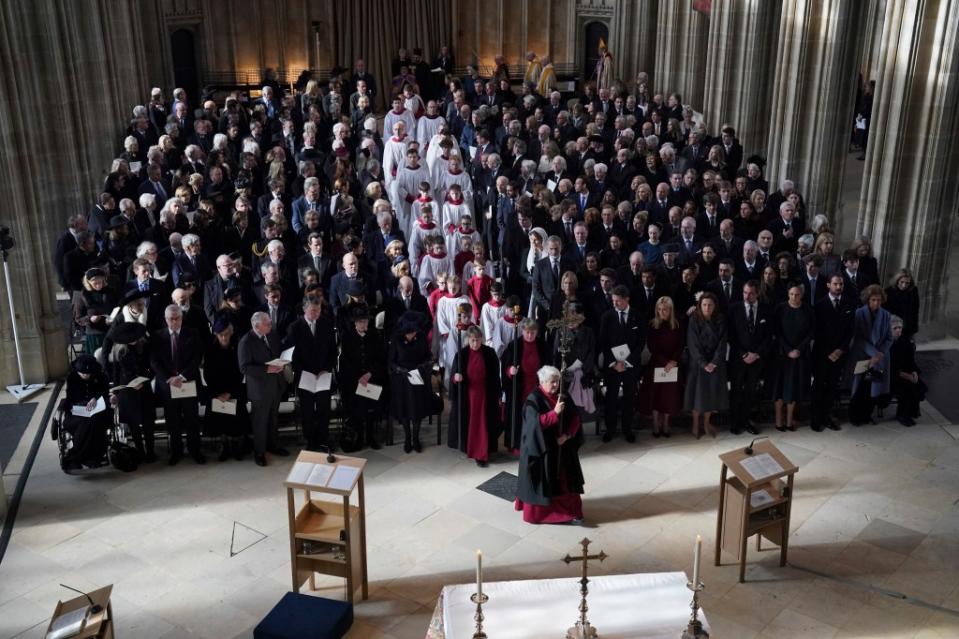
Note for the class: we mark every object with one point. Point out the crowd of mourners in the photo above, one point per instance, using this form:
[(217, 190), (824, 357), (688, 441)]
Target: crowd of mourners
[(444, 252)]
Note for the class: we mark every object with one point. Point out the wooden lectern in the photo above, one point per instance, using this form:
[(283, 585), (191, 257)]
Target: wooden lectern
[(99, 625), (757, 499), (327, 536)]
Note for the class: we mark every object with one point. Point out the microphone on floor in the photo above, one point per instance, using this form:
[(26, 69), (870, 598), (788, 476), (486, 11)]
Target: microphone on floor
[(749, 449), (94, 608)]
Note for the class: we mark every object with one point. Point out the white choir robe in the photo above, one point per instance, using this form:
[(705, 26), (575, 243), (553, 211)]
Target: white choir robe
[(448, 179), (434, 153), (417, 247), (414, 105), (454, 236), (497, 331), (404, 189), (394, 156), (446, 327), (426, 130), (430, 266), (451, 213), (415, 209), (393, 117)]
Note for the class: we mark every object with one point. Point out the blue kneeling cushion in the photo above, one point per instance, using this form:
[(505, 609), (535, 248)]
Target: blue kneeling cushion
[(305, 617)]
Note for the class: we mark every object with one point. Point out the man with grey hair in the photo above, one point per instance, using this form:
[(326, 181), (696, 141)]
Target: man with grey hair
[(264, 384), (175, 355), (310, 201)]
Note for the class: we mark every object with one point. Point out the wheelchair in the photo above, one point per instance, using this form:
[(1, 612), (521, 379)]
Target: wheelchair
[(115, 450)]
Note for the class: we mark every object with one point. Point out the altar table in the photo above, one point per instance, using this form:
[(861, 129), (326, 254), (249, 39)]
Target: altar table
[(648, 605)]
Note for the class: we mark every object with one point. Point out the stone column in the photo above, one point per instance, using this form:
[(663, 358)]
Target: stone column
[(633, 49), (910, 191), (682, 34), (813, 98), (740, 67), (74, 75)]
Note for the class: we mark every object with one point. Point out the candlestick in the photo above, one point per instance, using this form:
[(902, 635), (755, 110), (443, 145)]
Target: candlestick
[(479, 573), (696, 553)]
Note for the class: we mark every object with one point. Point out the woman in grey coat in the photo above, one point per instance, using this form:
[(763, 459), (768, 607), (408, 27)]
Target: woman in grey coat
[(872, 341), (706, 390)]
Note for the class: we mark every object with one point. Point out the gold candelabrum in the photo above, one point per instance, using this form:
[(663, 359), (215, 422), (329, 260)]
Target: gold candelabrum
[(583, 629)]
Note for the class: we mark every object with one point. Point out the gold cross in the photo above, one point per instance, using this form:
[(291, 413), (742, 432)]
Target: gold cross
[(586, 557)]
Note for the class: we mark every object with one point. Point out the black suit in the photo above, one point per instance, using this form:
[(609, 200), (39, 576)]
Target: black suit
[(734, 251), (704, 228), (325, 268), (613, 333), (814, 293), (315, 352), (833, 331), (746, 337), (263, 389), (546, 284), (65, 243), (180, 414), (645, 301), (395, 307), (282, 318), (735, 292)]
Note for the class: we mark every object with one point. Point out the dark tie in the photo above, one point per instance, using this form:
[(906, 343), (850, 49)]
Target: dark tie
[(835, 303), (569, 229), (556, 269), (582, 201), (313, 329), (751, 319), (175, 351), (726, 291), (160, 190), (316, 262), (689, 245), (406, 303), (272, 317), (622, 318)]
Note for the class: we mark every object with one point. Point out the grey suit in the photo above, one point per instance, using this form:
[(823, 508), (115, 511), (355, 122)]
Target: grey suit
[(263, 389)]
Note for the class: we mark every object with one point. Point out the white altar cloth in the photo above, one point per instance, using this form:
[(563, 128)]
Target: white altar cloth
[(648, 605)]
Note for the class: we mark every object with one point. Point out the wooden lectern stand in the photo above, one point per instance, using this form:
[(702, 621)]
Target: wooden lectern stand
[(99, 625), (328, 536), (757, 499)]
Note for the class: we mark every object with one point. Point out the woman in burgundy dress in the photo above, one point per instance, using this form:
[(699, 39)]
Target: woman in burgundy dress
[(665, 340), (474, 421), (521, 359)]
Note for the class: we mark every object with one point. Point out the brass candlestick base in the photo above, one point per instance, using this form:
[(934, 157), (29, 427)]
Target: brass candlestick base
[(694, 629), (479, 600)]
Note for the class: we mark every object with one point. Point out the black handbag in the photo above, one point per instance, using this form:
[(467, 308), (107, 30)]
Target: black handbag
[(124, 457), (872, 376)]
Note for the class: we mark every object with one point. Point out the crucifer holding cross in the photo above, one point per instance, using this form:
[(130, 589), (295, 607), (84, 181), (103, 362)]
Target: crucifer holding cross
[(583, 629)]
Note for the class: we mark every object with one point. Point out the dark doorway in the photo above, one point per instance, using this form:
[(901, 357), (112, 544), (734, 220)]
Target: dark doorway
[(185, 73), (594, 32)]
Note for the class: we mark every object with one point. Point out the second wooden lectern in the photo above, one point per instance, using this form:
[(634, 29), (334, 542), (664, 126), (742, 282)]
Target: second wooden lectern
[(326, 536), (756, 499)]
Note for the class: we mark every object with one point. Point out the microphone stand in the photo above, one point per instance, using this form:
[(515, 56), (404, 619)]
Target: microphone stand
[(22, 390)]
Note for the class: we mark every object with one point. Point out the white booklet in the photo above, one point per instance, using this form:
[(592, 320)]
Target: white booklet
[(344, 477), (551, 185), (286, 357), (133, 384), (82, 411), (186, 390), (227, 408), (861, 366), (621, 352), (415, 378), (370, 391), (661, 376), (575, 366), (315, 383)]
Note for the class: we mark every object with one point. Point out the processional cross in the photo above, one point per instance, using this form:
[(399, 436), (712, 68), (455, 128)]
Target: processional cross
[(583, 629), (565, 324)]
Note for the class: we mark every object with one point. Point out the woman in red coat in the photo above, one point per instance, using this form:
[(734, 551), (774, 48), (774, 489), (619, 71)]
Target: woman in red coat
[(665, 340)]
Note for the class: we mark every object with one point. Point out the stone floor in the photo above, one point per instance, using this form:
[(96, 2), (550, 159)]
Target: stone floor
[(874, 549)]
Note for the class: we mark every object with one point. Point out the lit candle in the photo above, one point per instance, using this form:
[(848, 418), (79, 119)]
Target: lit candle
[(696, 551), (479, 573)]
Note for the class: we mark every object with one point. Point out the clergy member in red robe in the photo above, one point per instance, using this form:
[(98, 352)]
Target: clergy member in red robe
[(550, 477), (475, 415), (522, 359)]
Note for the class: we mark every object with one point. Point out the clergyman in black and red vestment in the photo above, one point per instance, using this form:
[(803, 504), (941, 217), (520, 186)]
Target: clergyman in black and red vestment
[(550, 477)]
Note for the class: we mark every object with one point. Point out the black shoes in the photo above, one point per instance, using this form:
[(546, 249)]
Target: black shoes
[(738, 430), (407, 447), (417, 446), (279, 452), (481, 463), (607, 437), (259, 459), (174, 459), (199, 458), (751, 429), (908, 422), (225, 454), (630, 436), (817, 428), (149, 457)]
